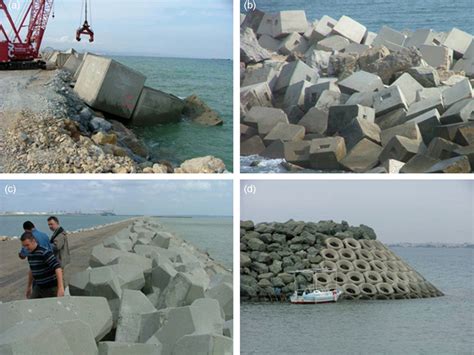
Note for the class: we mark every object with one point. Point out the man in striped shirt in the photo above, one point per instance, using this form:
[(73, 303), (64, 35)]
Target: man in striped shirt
[(45, 278)]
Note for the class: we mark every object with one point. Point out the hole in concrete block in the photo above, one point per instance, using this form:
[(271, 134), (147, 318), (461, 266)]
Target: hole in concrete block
[(330, 25), (297, 42), (267, 97), (386, 96), (308, 78), (324, 146)]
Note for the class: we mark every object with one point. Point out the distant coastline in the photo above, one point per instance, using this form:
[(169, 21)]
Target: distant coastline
[(431, 245)]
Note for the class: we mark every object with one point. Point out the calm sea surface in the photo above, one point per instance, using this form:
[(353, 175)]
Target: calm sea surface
[(443, 325), (211, 80)]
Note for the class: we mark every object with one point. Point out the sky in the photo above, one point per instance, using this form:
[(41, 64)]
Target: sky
[(127, 197), (399, 211), (169, 28)]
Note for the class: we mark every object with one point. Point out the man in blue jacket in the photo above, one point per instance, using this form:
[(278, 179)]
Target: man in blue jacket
[(41, 238)]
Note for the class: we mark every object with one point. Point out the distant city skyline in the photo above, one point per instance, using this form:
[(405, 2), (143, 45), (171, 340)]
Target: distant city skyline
[(124, 197), (417, 211)]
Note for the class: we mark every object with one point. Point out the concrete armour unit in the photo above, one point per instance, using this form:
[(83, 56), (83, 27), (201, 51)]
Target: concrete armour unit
[(388, 35), (116, 348), (357, 130), (286, 22), (109, 86), (342, 115), (332, 43), (202, 317), (138, 319), (350, 29), (252, 146), (315, 121), (389, 99), (129, 276), (458, 41), (459, 91), (360, 81), (461, 111), (212, 344), (436, 56), (93, 311), (255, 95), (420, 37), (72, 64), (285, 132), (265, 118), (269, 43), (266, 74), (34, 337), (427, 122), (326, 153), (408, 129), (363, 156), (365, 269), (156, 107), (223, 293), (297, 153), (408, 86), (162, 240), (401, 149), (294, 72), (182, 290), (295, 94), (322, 29)]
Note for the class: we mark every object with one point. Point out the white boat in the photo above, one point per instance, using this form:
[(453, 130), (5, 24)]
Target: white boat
[(315, 296)]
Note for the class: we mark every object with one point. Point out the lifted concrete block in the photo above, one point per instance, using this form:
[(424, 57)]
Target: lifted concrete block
[(350, 29), (295, 94), (157, 107), (295, 72), (286, 22), (297, 153), (357, 130), (362, 157), (116, 348), (293, 43), (458, 41), (202, 317), (332, 43), (93, 311), (408, 129), (109, 86), (224, 295), (360, 81), (34, 337), (408, 86), (138, 319), (427, 122), (252, 146), (342, 115), (285, 132), (326, 153), (436, 56), (387, 36), (315, 121), (401, 148), (457, 165), (459, 91), (389, 99), (203, 344), (322, 29), (182, 290)]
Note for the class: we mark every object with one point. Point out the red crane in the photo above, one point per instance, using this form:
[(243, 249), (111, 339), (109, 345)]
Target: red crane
[(21, 50)]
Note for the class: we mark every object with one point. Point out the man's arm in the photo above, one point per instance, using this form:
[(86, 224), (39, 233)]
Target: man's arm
[(59, 242), (59, 276), (30, 284), (23, 253)]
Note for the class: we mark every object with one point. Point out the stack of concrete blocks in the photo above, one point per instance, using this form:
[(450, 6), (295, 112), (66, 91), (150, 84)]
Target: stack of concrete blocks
[(324, 255), (146, 292), (396, 94)]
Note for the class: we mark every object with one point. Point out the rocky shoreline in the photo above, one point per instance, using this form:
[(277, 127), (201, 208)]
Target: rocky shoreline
[(146, 291), (69, 136), (272, 256), (331, 96)]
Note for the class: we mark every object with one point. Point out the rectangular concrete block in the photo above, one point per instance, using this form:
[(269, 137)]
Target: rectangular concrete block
[(418, 164), (461, 111), (401, 149), (369, 38), (252, 19), (255, 95), (456, 165), (350, 29), (427, 122), (270, 43), (442, 149), (342, 115), (252, 146), (72, 64), (297, 153), (408, 86), (315, 121), (332, 43), (389, 99), (362, 157), (391, 119), (360, 81), (323, 28), (425, 105), (389, 36), (359, 129), (286, 22), (326, 153), (285, 132), (314, 92), (329, 98), (437, 56), (408, 129), (157, 107), (109, 86), (266, 74), (356, 48), (266, 25), (294, 72), (465, 65), (458, 41), (420, 37), (461, 90), (265, 118), (293, 43), (295, 94)]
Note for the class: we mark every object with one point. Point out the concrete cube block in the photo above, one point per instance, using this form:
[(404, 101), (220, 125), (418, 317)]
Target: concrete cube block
[(138, 319), (266, 74), (117, 348), (369, 38), (332, 43), (315, 121), (101, 256), (250, 49), (120, 241), (203, 344), (285, 132), (286, 22), (274, 150), (266, 25), (389, 99), (459, 91), (442, 149), (162, 273), (356, 48), (350, 29), (357, 130), (72, 64), (436, 56), (297, 153), (293, 43), (408, 129), (393, 166), (421, 37), (469, 51), (130, 277), (255, 95), (458, 41), (467, 151), (408, 86), (253, 19), (465, 135), (265, 118), (430, 93), (362, 157), (322, 29), (326, 153), (401, 149), (391, 119), (295, 94), (427, 122), (465, 65), (182, 290), (223, 293), (387, 34), (419, 163), (365, 98), (360, 81), (59, 58), (162, 239), (313, 92), (295, 72), (94, 311), (329, 98), (317, 59), (252, 146), (202, 317), (269, 43), (342, 115), (247, 132), (456, 165), (425, 105), (109, 86), (427, 76), (157, 107)]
